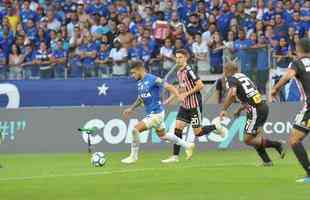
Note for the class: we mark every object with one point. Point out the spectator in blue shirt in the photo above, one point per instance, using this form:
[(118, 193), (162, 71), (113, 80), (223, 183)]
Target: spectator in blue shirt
[(240, 47), (299, 25), (3, 66), (193, 27), (53, 40), (88, 55), (305, 11), (189, 7), (31, 70), (103, 62), (242, 18), (280, 27), (58, 60), (27, 14), (168, 10), (104, 27), (60, 15), (31, 30), (216, 53), (282, 58), (251, 24), (6, 41), (223, 21), (135, 51), (98, 8), (269, 14), (146, 51), (42, 37), (42, 60), (262, 63), (151, 41), (52, 21), (135, 24), (283, 54), (285, 14)]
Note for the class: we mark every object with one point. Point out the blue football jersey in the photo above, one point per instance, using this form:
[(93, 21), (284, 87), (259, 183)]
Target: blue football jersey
[(150, 91)]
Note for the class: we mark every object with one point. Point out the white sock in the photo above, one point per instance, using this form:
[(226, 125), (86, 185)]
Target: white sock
[(173, 138), (135, 144)]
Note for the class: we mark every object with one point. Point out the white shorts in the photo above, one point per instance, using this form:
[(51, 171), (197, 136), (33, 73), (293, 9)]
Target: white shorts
[(156, 121)]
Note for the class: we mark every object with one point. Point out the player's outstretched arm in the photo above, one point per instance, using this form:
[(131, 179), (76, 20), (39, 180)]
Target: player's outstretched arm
[(289, 75), (174, 91), (198, 87), (231, 97), (135, 105), (238, 112), (169, 99)]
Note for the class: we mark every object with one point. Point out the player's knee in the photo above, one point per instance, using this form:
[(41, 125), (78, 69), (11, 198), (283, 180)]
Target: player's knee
[(293, 140), (161, 135), (135, 130), (180, 125), (135, 135), (248, 140)]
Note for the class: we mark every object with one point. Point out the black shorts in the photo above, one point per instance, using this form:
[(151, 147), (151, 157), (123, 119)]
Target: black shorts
[(190, 115), (256, 118), (302, 121)]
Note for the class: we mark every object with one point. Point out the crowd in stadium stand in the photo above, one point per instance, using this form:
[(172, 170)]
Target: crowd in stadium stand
[(42, 39)]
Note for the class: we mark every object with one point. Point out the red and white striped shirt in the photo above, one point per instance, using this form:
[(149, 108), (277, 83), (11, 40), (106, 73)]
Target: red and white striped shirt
[(187, 81)]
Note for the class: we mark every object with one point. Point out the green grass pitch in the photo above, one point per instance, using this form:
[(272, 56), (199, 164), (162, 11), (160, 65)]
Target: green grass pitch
[(211, 175)]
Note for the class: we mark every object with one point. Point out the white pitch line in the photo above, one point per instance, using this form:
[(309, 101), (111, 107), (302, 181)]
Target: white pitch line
[(123, 171)]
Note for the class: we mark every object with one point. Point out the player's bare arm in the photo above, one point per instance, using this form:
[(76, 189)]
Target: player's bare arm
[(174, 92), (289, 75), (169, 99), (239, 110), (135, 105), (198, 87), (231, 97), (171, 89)]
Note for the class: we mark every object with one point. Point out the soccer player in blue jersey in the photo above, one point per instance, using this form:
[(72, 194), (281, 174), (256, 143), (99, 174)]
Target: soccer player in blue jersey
[(149, 95)]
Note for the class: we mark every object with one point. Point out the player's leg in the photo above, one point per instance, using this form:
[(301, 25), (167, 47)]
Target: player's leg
[(182, 120), (133, 157), (189, 147), (180, 124), (199, 130), (256, 118), (295, 141), (0, 142), (254, 140), (263, 112), (300, 130), (206, 130)]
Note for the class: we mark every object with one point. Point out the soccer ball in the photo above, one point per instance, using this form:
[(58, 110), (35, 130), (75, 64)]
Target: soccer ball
[(98, 159)]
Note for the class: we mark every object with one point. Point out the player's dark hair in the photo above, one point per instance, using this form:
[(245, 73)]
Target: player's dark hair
[(182, 51), (137, 64), (304, 44)]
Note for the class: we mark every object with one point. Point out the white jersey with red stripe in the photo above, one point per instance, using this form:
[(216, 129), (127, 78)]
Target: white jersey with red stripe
[(187, 81)]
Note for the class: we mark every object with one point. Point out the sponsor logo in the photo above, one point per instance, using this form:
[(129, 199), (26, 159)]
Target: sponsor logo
[(117, 131), (9, 129), (12, 93), (146, 95)]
